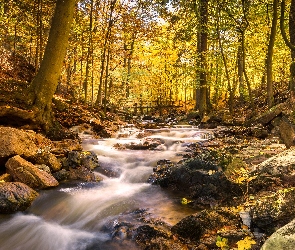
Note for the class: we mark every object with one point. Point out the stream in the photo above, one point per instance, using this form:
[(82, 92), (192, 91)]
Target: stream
[(78, 215)]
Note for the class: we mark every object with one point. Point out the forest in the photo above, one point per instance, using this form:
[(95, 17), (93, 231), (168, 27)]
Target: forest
[(201, 55), (160, 124)]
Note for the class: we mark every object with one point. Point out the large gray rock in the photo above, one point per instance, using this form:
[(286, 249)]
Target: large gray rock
[(278, 170), (25, 172), (280, 164), (15, 196), (282, 239)]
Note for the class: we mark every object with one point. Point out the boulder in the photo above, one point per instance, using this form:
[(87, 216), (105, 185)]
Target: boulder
[(278, 170), (15, 196), (197, 179), (25, 172), (278, 165), (86, 159), (205, 226), (48, 159), (83, 174), (282, 239), (25, 143), (266, 117), (273, 210), (16, 142), (287, 132), (62, 148), (149, 237)]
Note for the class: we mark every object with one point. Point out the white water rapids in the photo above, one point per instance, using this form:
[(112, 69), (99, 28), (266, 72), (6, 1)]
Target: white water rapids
[(74, 216)]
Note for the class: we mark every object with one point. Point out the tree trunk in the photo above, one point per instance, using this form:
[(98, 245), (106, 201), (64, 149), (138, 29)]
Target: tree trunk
[(105, 47), (291, 43), (203, 47), (46, 80), (240, 69), (89, 54), (269, 79), (292, 27), (229, 88)]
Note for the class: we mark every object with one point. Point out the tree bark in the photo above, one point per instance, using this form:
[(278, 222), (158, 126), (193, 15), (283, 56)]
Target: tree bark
[(89, 54), (269, 79), (203, 47), (292, 27), (105, 47), (45, 83), (290, 43)]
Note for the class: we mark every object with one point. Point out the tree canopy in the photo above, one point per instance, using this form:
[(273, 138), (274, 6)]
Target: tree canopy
[(198, 54)]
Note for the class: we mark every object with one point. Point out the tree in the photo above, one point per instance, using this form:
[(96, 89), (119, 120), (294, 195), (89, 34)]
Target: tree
[(290, 43), (203, 50), (45, 82), (269, 78)]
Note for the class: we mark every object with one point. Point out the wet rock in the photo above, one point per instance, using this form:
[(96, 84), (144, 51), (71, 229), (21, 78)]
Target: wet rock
[(283, 238), (83, 174), (146, 144), (25, 172), (273, 210), (207, 224), (61, 175), (149, 237), (197, 179), (161, 173), (47, 159), (15, 196), (110, 172), (86, 159)]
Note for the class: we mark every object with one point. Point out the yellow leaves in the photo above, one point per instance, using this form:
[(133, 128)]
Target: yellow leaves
[(222, 243), (243, 175), (185, 201), (246, 243)]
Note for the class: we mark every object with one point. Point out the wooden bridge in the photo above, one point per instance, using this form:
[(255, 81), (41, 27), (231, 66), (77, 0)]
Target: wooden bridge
[(153, 106)]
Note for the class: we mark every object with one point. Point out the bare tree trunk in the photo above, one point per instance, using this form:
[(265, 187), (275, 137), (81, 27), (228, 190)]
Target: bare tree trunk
[(291, 43), (89, 54), (103, 57), (106, 82), (269, 78), (229, 88), (240, 70), (203, 47)]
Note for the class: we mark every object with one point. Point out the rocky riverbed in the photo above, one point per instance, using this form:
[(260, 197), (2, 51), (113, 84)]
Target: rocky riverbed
[(240, 187)]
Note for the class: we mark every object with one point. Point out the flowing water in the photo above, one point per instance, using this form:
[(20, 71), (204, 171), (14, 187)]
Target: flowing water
[(78, 216)]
